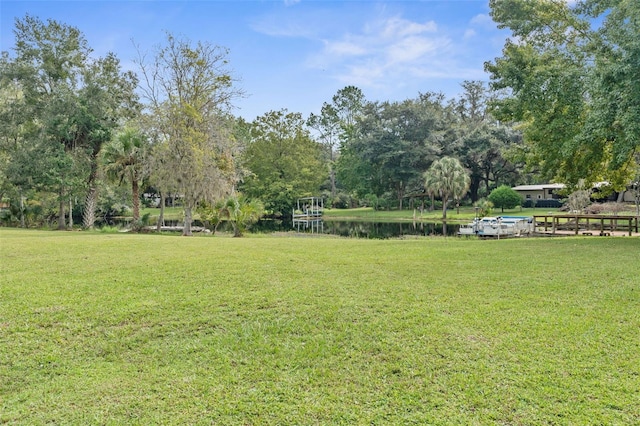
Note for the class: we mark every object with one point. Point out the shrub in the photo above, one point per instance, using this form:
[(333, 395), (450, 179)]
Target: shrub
[(107, 229), (505, 198), (341, 201), (141, 224), (549, 204), (578, 200), (485, 207), (239, 211)]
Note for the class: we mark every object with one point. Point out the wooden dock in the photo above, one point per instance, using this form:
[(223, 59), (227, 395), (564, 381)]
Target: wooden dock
[(587, 224)]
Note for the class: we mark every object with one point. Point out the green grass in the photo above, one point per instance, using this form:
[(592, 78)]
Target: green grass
[(170, 213), (466, 214), (146, 329)]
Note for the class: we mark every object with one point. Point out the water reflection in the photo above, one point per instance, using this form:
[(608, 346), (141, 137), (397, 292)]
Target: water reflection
[(359, 229), (382, 230), (353, 229)]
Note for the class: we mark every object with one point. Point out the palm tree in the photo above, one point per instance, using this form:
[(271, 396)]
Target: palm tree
[(123, 159), (212, 214), (238, 210), (447, 178), (242, 213)]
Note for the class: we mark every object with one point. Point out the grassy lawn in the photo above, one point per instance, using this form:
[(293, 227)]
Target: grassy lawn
[(170, 213), (148, 329), (466, 214)]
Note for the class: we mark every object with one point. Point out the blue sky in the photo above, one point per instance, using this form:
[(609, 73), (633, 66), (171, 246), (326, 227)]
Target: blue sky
[(295, 55)]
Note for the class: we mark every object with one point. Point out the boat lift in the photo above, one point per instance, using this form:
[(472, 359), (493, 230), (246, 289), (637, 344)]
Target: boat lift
[(308, 214)]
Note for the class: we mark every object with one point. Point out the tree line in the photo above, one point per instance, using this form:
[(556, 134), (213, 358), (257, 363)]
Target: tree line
[(75, 128)]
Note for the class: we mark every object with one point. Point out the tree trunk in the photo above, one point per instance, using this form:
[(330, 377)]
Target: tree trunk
[(186, 230), (135, 194), (89, 213), (487, 183), (332, 171), (160, 223), (332, 179), (444, 207), (22, 221), (70, 214), (61, 217), (473, 188)]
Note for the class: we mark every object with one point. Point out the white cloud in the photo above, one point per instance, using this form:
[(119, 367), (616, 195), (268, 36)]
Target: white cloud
[(362, 75), (469, 33), (398, 27), (291, 2), (413, 49), (482, 20), (277, 28), (345, 48), (384, 52)]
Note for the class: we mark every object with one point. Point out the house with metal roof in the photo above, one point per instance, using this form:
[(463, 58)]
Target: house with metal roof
[(546, 191), (549, 191)]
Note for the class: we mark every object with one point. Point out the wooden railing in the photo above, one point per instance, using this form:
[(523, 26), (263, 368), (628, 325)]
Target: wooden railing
[(587, 222)]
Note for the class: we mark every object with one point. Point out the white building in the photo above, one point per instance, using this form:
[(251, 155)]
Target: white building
[(545, 191)]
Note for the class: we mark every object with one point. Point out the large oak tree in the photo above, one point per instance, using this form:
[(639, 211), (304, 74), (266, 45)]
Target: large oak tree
[(570, 75), (285, 163), (69, 105)]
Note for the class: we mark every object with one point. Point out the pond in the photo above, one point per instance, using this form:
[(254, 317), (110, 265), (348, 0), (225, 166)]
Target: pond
[(359, 229), (343, 228)]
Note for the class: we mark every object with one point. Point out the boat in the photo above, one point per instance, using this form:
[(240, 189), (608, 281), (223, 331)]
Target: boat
[(499, 226)]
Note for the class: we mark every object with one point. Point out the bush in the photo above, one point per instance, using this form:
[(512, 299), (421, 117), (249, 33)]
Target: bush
[(107, 229), (370, 200), (504, 197), (141, 224), (236, 210), (549, 204), (7, 218), (578, 200), (341, 201), (485, 208)]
